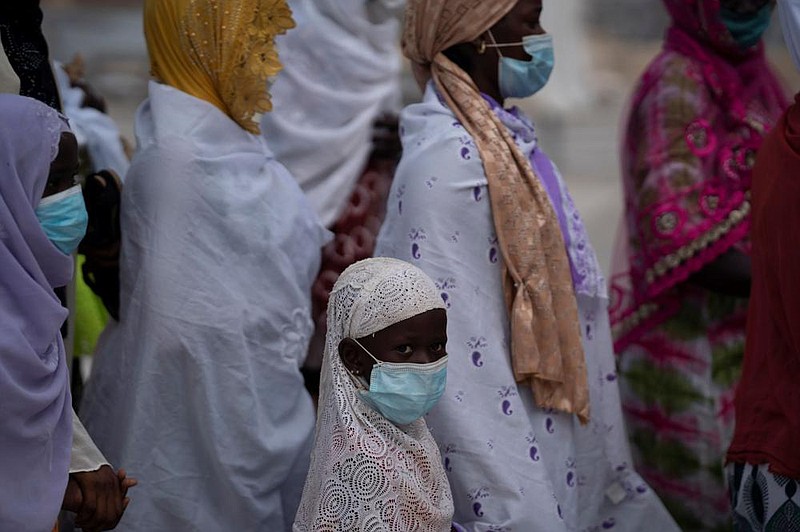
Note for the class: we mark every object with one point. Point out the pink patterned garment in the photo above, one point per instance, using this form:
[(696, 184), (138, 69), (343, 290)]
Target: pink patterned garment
[(697, 120)]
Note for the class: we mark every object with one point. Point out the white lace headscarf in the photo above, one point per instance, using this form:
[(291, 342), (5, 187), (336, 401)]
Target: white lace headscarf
[(367, 473)]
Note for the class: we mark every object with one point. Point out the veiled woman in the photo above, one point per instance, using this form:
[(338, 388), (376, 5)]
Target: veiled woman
[(530, 426), (197, 388), (679, 307)]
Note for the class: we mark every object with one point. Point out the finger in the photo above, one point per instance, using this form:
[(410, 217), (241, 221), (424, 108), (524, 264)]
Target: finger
[(73, 498), (128, 484), (101, 510), (111, 493), (119, 496), (111, 506), (88, 509), (125, 504)]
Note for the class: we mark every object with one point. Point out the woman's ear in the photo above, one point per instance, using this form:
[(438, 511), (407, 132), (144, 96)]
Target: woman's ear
[(351, 356)]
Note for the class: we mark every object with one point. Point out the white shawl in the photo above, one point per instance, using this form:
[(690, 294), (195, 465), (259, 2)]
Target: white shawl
[(197, 391), (368, 474), (341, 71)]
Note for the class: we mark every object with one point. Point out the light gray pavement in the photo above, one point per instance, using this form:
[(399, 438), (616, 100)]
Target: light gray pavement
[(584, 141)]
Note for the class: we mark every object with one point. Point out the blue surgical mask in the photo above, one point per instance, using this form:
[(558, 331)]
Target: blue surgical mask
[(403, 393), (520, 79), (64, 218), (747, 29)]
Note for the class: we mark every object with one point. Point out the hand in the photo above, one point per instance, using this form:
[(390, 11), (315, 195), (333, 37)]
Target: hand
[(98, 498), (72, 496), (125, 484)]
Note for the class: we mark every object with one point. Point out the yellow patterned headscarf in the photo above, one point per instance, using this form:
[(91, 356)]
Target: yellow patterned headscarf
[(546, 346), (221, 51)]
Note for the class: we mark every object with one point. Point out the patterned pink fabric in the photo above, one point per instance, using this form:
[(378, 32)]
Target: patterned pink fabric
[(697, 120), (699, 116)]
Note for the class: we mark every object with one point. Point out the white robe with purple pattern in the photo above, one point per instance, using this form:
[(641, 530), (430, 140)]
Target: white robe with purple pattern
[(512, 465)]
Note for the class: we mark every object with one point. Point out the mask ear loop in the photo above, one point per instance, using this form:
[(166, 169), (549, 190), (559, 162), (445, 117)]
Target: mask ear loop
[(367, 352), (357, 374), (493, 45)]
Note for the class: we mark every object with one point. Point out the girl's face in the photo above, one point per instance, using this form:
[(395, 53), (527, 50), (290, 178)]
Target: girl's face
[(421, 339)]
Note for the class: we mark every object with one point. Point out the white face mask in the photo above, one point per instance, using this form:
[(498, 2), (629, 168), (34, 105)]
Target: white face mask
[(790, 24)]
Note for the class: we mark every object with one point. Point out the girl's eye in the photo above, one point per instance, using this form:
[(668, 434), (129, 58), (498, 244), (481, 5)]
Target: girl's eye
[(404, 349), (438, 347)]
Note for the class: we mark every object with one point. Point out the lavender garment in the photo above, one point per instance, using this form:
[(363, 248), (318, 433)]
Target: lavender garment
[(35, 414), (586, 275)]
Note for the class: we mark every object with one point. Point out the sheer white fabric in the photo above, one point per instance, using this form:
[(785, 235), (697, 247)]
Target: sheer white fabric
[(368, 474), (85, 454), (512, 465), (197, 390), (341, 71)]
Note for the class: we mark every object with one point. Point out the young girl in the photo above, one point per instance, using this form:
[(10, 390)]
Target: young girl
[(375, 465)]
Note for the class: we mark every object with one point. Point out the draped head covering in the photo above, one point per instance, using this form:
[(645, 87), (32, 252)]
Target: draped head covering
[(35, 413), (698, 117), (367, 473), (220, 51), (701, 19), (546, 346)]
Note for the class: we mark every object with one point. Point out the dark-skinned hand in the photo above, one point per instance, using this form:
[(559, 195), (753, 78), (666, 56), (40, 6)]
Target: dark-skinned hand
[(98, 498)]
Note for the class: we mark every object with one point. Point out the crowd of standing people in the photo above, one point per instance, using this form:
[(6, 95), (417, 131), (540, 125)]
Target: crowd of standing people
[(479, 373)]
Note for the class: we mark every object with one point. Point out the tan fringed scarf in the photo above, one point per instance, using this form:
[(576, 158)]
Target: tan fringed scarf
[(546, 347)]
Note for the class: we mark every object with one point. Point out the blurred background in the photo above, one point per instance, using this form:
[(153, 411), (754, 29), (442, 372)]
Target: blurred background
[(602, 46)]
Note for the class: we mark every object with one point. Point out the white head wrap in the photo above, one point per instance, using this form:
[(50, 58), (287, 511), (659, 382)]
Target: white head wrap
[(366, 473), (790, 24)]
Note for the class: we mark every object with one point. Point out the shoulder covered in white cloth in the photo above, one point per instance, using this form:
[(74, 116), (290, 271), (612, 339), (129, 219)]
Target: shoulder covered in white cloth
[(341, 71), (219, 251)]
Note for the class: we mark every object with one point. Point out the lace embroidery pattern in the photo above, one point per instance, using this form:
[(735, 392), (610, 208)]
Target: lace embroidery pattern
[(246, 56), (55, 124), (367, 473)]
